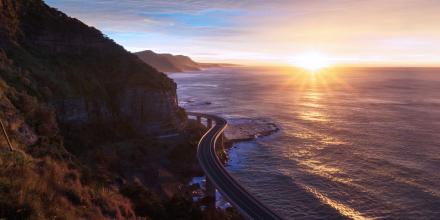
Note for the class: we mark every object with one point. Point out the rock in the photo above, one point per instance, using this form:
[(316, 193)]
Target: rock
[(86, 77), (249, 129)]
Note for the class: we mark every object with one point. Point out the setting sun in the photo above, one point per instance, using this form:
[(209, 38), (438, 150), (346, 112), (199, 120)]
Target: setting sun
[(311, 61)]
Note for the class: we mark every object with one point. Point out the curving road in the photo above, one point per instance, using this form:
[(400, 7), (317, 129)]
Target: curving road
[(248, 205)]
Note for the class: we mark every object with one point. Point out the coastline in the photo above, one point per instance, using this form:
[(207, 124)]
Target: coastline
[(240, 130)]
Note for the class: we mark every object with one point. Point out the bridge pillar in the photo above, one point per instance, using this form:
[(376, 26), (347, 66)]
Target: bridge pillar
[(210, 194), (209, 123), (210, 189)]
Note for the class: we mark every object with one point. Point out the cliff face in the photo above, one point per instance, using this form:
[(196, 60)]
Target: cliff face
[(168, 62), (66, 94), (84, 117), (40, 179), (74, 65), (148, 111)]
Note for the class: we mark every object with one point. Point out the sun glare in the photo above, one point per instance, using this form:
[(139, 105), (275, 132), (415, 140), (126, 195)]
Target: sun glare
[(312, 61)]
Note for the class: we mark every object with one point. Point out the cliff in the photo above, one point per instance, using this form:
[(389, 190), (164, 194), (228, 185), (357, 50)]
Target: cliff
[(84, 116), (74, 62), (168, 62), (86, 120)]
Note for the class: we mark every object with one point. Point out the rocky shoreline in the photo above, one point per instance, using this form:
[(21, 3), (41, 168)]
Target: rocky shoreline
[(240, 130)]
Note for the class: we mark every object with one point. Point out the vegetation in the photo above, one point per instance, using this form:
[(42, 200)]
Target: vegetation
[(85, 168)]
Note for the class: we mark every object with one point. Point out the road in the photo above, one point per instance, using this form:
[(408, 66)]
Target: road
[(238, 196)]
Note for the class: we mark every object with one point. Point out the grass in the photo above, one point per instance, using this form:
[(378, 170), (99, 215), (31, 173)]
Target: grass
[(64, 176), (44, 189)]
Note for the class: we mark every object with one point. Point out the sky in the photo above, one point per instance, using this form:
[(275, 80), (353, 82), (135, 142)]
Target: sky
[(357, 32)]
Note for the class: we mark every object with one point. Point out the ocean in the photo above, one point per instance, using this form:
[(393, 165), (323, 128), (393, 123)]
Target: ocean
[(359, 143)]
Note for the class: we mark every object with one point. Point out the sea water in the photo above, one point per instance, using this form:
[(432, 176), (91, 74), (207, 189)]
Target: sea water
[(361, 143)]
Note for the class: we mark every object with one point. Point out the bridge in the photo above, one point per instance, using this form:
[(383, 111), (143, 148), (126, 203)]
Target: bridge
[(218, 178)]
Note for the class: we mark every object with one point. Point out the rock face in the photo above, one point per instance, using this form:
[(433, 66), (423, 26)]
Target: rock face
[(168, 62), (148, 111), (84, 75), (67, 93), (85, 119)]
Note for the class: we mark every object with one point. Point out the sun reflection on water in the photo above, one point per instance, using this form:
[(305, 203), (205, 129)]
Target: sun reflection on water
[(311, 100), (318, 168), (313, 116), (341, 208), (312, 91)]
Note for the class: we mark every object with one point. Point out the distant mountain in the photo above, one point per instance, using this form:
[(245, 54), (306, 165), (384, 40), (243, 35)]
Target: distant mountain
[(217, 65), (168, 62)]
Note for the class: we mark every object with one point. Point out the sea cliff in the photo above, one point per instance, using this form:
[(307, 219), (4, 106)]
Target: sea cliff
[(85, 118)]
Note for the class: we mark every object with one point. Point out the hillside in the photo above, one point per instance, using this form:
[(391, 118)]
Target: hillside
[(84, 117), (168, 62)]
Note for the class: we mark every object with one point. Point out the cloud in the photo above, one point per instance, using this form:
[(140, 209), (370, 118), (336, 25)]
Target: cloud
[(183, 17), (277, 27)]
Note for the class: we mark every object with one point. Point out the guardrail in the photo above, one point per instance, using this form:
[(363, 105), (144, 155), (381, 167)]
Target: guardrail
[(237, 195)]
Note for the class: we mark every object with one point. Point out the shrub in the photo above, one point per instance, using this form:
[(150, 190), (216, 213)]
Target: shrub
[(146, 203)]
